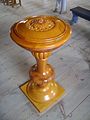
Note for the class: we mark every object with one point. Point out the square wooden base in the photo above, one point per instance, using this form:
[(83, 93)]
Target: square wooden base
[(42, 107)]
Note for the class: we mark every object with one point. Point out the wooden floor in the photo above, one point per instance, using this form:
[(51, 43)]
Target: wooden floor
[(71, 63)]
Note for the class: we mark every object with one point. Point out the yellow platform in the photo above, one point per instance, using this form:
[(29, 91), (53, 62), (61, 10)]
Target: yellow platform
[(42, 107)]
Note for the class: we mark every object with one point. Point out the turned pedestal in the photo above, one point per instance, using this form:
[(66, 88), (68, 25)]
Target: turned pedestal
[(41, 35)]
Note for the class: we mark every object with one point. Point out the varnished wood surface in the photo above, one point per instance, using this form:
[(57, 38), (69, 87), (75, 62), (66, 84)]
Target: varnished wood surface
[(40, 35), (72, 61)]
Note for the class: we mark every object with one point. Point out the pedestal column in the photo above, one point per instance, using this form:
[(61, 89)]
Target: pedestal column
[(41, 35)]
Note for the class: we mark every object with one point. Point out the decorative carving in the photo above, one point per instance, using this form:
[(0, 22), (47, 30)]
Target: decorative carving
[(42, 72), (41, 55), (40, 24)]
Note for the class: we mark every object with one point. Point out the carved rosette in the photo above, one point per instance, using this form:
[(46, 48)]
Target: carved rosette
[(41, 24)]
